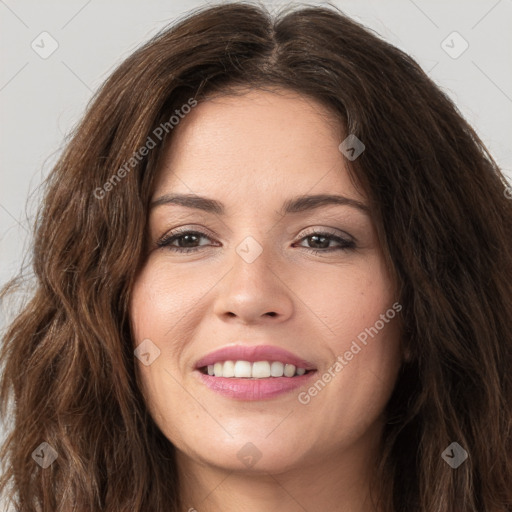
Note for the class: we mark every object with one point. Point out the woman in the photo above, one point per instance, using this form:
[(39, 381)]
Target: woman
[(273, 270)]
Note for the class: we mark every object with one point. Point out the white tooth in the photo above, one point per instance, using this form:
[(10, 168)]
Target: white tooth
[(301, 371), (261, 369), (229, 369), (243, 369), (217, 369), (289, 370), (210, 369), (276, 369)]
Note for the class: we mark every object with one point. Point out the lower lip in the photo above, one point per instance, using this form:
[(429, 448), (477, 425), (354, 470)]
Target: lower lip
[(254, 389)]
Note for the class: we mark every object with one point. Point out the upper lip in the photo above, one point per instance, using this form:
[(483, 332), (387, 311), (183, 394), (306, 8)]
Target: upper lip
[(253, 353)]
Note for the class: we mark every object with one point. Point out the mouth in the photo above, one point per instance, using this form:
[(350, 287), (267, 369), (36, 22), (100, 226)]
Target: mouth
[(253, 372)]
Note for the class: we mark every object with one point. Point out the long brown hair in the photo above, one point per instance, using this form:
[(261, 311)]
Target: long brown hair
[(438, 201)]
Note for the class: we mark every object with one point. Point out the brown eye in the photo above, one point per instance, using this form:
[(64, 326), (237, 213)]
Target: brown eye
[(321, 241), (187, 241)]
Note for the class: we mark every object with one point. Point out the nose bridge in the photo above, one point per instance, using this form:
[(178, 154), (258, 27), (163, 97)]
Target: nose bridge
[(251, 289), (252, 263)]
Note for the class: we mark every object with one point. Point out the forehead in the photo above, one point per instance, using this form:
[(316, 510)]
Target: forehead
[(255, 144)]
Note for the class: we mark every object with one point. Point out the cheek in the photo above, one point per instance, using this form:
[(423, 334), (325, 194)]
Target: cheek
[(349, 300), (162, 297), (157, 304)]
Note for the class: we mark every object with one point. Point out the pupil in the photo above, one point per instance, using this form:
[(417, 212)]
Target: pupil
[(316, 237), (185, 237)]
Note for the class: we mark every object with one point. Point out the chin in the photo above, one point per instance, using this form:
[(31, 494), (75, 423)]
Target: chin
[(254, 455)]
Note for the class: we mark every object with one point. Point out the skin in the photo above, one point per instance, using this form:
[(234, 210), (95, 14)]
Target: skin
[(252, 152)]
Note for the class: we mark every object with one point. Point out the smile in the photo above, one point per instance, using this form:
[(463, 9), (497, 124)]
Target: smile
[(260, 372)]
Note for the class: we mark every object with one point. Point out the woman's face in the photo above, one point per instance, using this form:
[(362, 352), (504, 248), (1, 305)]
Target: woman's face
[(252, 281)]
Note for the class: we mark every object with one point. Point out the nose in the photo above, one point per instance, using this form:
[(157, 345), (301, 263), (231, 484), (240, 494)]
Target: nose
[(254, 291)]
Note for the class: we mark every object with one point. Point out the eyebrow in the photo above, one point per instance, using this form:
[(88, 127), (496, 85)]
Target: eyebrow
[(294, 205)]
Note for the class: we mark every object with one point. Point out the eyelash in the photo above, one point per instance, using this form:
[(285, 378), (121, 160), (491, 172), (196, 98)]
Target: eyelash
[(167, 239)]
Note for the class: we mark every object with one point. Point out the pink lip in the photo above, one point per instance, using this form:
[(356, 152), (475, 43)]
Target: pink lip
[(253, 389), (252, 354)]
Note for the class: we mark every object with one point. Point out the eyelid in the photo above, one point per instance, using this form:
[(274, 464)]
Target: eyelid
[(330, 230), (189, 227)]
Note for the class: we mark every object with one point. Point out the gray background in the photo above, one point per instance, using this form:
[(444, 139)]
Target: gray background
[(42, 99)]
